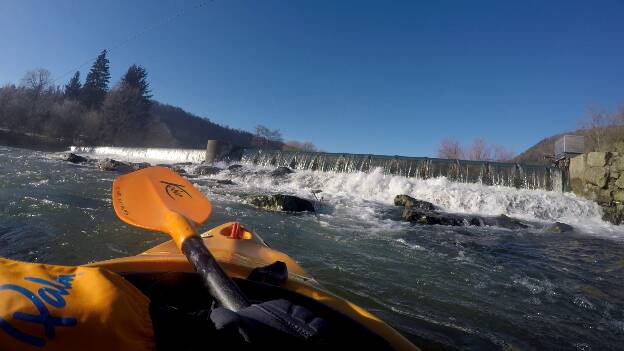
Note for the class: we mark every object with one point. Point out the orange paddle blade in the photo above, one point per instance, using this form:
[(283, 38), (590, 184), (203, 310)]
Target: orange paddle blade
[(156, 197)]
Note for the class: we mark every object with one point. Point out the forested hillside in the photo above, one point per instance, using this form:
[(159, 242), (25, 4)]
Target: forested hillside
[(91, 113)]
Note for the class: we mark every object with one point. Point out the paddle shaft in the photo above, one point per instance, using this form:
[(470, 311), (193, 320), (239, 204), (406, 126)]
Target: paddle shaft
[(220, 286)]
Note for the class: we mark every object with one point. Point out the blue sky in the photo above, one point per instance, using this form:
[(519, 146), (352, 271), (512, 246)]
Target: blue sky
[(387, 77)]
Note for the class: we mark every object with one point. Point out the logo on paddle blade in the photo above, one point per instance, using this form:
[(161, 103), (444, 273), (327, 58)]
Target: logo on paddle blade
[(173, 189)]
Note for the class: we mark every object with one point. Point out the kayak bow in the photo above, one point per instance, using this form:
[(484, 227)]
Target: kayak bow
[(239, 252)]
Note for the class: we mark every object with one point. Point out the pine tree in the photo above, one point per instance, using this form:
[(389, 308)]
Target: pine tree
[(136, 78), (96, 84), (73, 87)]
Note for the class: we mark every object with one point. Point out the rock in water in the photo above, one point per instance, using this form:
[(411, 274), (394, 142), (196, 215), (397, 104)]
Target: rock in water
[(279, 202), (140, 165), (408, 201), (234, 167), (426, 217), (225, 182), (281, 171), (206, 170), (73, 158), (613, 214), (424, 212), (178, 169), (559, 227), (505, 221), (108, 164)]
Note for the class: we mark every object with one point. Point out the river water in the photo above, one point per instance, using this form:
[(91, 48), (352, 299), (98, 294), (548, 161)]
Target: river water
[(459, 287)]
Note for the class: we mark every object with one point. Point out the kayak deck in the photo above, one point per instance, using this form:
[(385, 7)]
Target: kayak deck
[(238, 256)]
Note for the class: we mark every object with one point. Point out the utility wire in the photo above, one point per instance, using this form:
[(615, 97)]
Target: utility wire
[(135, 36)]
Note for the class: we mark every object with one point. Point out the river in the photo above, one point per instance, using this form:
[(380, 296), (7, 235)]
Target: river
[(460, 287)]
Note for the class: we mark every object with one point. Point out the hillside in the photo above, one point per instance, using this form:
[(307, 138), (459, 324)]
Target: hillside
[(191, 131), (38, 112), (535, 154), (38, 115), (596, 139)]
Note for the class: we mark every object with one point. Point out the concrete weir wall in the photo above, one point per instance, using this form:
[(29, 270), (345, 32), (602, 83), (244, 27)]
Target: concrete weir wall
[(599, 176), (488, 173), (484, 172)]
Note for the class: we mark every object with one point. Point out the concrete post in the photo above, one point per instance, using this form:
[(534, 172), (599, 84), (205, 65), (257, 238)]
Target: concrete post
[(212, 148)]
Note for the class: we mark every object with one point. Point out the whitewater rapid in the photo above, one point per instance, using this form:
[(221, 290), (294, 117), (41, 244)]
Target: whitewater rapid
[(364, 196)]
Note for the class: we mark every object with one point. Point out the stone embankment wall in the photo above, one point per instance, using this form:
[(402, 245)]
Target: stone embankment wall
[(599, 176)]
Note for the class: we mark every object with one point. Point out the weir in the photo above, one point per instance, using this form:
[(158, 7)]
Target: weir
[(484, 172), (145, 153)]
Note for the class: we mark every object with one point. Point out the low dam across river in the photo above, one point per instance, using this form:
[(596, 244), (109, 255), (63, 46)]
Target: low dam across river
[(484, 172)]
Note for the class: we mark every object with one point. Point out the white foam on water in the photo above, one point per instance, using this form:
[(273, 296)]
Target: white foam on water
[(364, 195), (152, 155), (411, 246)]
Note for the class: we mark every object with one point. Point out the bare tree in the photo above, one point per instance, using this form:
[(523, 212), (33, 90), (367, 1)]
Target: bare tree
[(269, 134), (300, 146), (479, 151), (595, 124), (502, 154), (618, 117), (37, 80), (450, 149), (308, 146), (264, 136)]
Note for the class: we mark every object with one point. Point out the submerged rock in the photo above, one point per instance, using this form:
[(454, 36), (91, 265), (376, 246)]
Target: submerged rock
[(108, 164), (73, 158), (140, 165), (424, 212), (234, 167), (476, 221), (225, 182), (178, 170), (428, 217), (206, 170), (211, 182), (281, 171), (420, 216), (559, 227), (505, 221), (280, 202), (408, 201)]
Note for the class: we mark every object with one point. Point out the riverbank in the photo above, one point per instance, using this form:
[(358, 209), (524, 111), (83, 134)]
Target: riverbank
[(32, 141)]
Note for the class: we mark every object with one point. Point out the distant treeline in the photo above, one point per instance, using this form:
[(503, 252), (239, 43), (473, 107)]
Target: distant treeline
[(478, 150), (91, 113)]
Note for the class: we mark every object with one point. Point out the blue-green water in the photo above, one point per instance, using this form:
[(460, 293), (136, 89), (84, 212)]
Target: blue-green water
[(462, 287)]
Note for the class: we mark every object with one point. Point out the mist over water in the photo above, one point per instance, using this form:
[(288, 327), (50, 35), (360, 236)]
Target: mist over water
[(462, 287)]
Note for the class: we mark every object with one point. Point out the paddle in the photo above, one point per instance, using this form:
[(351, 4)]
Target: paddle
[(156, 198)]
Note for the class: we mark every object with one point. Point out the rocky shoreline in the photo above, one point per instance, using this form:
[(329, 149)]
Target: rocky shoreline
[(599, 176)]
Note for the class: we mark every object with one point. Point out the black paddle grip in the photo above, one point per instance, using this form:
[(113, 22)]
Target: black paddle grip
[(220, 286)]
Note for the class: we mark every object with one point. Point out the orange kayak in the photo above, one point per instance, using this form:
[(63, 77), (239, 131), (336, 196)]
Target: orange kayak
[(240, 255)]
